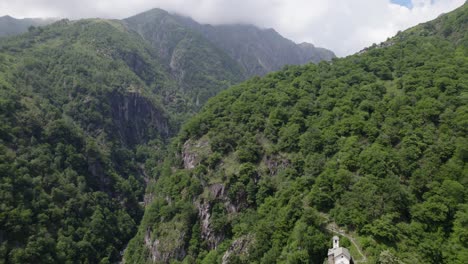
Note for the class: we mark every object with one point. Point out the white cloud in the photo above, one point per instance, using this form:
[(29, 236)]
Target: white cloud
[(341, 25)]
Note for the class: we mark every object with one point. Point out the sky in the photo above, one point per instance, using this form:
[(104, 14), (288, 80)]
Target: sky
[(407, 3), (344, 26)]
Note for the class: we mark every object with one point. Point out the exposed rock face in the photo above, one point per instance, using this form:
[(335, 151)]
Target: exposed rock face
[(204, 215), (136, 118), (162, 251), (207, 233), (188, 157), (239, 247), (193, 152), (148, 199), (217, 191), (275, 163), (150, 245), (139, 66)]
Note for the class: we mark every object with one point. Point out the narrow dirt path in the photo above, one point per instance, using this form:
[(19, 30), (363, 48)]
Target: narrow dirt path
[(333, 227)]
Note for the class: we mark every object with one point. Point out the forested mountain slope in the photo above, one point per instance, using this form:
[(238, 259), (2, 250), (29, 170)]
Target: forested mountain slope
[(256, 51), (87, 109), (377, 140), (203, 59), (200, 68), (80, 108)]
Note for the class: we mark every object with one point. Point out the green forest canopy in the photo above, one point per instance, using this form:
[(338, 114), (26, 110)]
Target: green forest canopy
[(377, 140)]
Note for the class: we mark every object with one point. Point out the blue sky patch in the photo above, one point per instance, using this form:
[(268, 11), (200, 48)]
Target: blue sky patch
[(406, 3)]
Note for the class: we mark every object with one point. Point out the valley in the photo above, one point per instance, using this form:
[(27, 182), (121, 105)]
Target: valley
[(158, 139)]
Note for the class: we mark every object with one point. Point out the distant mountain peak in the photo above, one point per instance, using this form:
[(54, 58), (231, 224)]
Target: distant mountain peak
[(257, 50), (306, 44), (13, 26)]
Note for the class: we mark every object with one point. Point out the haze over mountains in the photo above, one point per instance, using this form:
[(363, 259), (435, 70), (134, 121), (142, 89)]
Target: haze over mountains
[(194, 53), (259, 51), (11, 26), (327, 24)]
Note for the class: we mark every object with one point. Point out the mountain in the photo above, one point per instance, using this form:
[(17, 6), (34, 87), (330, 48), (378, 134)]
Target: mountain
[(203, 59), (375, 143), (87, 111), (11, 26), (261, 51), (199, 67), (81, 111), (258, 51)]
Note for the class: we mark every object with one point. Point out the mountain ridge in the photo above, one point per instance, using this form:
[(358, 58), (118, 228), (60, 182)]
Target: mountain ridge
[(78, 98), (257, 50), (10, 26), (87, 110), (377, 140), (270, 50)]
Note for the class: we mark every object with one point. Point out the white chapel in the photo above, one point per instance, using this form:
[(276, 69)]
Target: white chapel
[(339, 255)]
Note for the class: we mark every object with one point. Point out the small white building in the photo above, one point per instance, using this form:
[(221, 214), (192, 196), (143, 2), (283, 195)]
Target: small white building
[(339, 255)]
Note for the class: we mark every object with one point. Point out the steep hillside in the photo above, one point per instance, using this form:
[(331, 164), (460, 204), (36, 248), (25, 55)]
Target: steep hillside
[(202, 59), (259, 51), (11, 26), (81, 112), (200, 68), (87, 109), (377, 140)]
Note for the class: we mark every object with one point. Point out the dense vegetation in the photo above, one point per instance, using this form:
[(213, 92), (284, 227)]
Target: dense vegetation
[(86, 110), (73, 140), (245, 50), (206, 59), (83, 108), (377, 141), (200, 68)]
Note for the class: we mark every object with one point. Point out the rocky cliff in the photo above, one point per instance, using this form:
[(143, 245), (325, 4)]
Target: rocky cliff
[(137, 119)]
